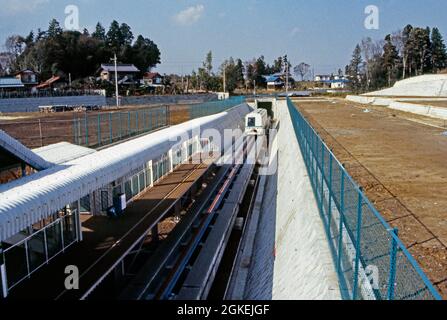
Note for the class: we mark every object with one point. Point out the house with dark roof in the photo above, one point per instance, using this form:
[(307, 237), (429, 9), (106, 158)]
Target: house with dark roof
[(28, 77), (127, 73), (152, 79)]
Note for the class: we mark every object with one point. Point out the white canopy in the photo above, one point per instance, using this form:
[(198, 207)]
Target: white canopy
[(28, 200)]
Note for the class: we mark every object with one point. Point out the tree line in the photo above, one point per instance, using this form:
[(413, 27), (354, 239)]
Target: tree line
[(59, 52), (242, 75), (405, 53)]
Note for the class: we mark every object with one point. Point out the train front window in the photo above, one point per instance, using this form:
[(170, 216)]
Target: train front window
[(251, 122)]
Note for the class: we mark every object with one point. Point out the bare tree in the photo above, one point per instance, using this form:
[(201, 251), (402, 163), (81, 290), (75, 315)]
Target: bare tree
[(398, 40), (301, 70), (370, 50), (15, 46)]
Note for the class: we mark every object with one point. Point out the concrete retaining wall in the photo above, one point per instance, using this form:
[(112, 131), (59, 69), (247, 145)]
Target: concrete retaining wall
[(32, 104), (171, 99), (429, 111), (425, 110)]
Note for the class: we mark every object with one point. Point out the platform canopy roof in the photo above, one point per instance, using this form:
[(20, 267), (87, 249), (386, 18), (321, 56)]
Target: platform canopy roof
[(62, 152), (22, 153), (28, 200)]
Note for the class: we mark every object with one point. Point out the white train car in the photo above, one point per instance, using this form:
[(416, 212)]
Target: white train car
[(256, 123)]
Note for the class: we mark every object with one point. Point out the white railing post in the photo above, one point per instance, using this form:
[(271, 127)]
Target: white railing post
[(171, 160), (185, 151), (151, 170), (78, 223)]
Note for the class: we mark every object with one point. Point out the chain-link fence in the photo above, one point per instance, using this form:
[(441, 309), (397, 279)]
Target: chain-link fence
[(370, 259), (98, 129), (107, 128), (87, 129)]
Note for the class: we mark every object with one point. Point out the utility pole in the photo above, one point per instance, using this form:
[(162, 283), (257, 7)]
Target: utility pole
[(116, 81), (254, 88)]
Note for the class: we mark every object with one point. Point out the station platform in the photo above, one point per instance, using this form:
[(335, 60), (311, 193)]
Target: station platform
[(107, 241)]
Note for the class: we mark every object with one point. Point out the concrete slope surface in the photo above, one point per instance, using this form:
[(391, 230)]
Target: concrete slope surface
[(421, 86), (291, 259)]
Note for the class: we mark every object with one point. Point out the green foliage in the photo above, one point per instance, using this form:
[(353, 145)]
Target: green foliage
[(390, 59), (58, 52), (234, 74), (439, 54), (354, 70), (410, 52)]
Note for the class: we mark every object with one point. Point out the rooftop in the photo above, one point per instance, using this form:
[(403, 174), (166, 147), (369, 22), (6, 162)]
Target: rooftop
[(62, 152), (120, 67), (11, 83)]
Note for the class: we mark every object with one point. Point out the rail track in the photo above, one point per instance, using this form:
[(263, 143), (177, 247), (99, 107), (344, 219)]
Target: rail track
[(185, 264)]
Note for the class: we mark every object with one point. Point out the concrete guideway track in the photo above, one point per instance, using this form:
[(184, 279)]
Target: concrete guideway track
[(165, 269)]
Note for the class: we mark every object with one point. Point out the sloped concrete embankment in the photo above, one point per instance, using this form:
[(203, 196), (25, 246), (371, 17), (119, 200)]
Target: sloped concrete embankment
[(291, 256)]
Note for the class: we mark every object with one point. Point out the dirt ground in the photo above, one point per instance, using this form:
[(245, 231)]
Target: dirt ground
[(36, 129), (400, 161)]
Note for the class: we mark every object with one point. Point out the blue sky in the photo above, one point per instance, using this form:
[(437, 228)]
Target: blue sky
[(322, 33)]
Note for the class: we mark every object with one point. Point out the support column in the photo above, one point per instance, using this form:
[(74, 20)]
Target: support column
[(23, 167), (78, 222), (154, 233)]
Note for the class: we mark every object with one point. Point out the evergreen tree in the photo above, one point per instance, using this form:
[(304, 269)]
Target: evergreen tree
[(240, 72), (113, 37), (208, 63), (355, 70), (277, 65), (260, 69), (408, 51), (420, 45), (439, 54), (144, 54), (390, 59), (125, 35), (29, 40), (100, 32), (54, 29)]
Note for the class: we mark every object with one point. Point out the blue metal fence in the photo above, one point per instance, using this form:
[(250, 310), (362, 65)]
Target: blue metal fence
[(370, 259), (101, 129), (213, 107)]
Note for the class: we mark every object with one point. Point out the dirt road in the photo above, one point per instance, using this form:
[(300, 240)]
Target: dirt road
[(36, 129)]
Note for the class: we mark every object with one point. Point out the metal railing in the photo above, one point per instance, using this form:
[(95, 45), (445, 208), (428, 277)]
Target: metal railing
[(102, 129), (370, 259)]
